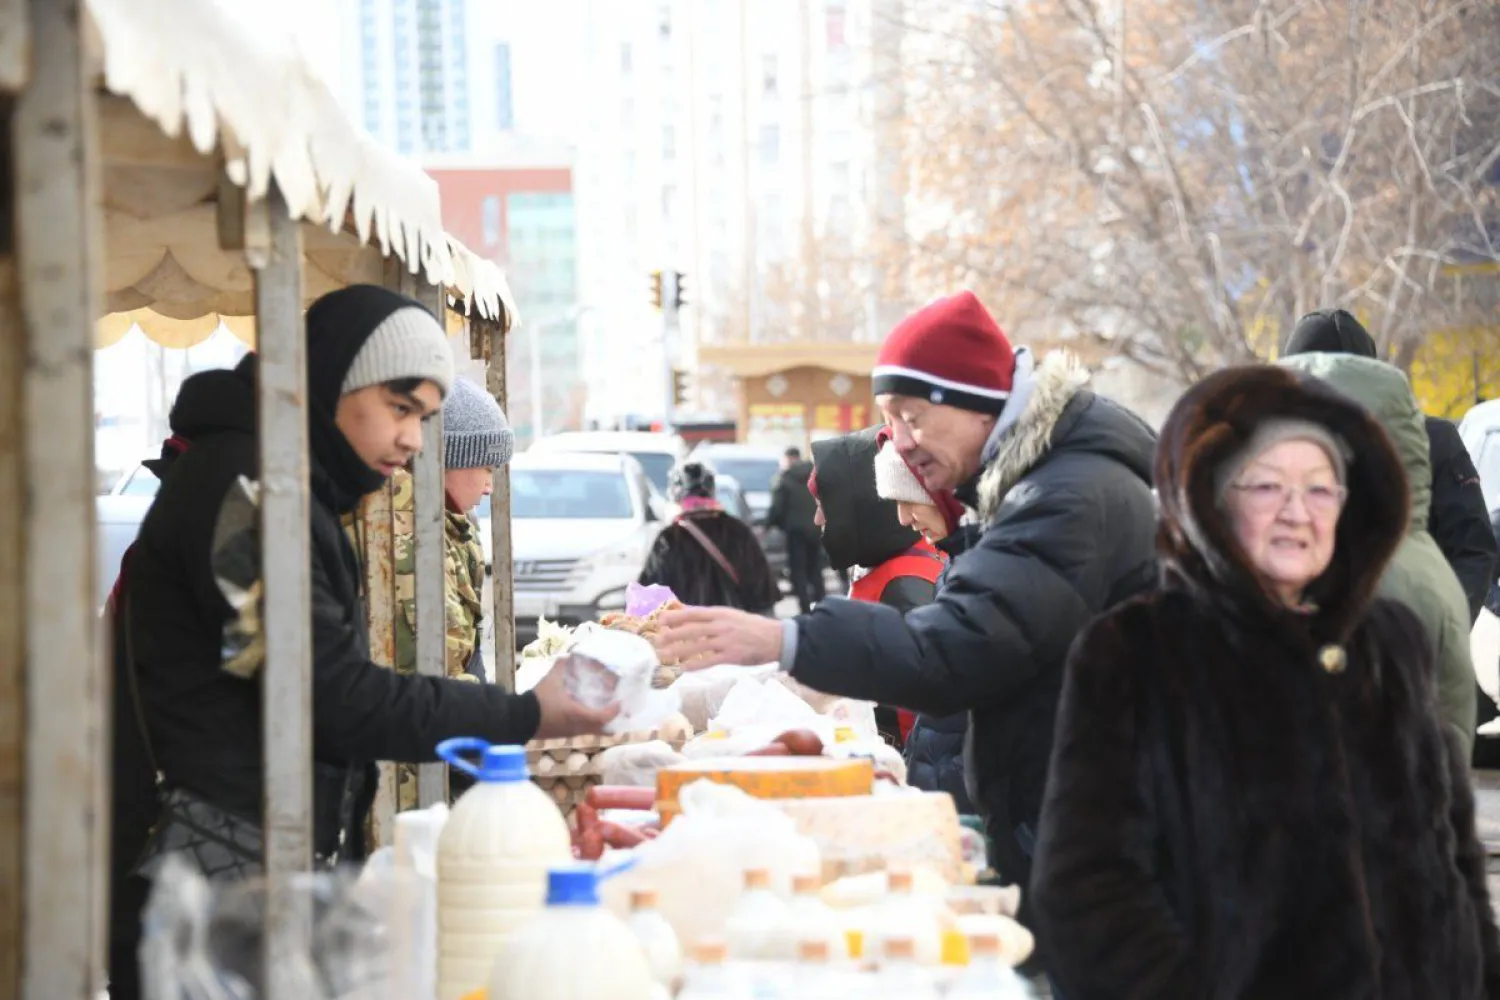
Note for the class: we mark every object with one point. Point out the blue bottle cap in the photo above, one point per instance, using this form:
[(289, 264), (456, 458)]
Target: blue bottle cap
[(572, 885), (496, 763)]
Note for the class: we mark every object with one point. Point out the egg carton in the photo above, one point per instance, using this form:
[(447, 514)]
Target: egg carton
[(567, 768)]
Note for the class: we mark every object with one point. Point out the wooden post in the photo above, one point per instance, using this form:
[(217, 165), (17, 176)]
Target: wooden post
[(12, 615), (376, 523), (502, 566), (429, 515), (56, 191), (286, 576)]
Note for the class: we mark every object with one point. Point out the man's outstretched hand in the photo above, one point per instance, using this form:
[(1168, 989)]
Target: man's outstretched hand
[(707, 637)]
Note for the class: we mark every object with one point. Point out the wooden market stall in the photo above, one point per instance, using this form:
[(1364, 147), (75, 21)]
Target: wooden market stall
[(794, 393), (167, 170)]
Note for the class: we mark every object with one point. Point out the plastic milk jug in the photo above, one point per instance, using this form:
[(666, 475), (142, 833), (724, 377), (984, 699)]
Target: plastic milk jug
[(493, 855)]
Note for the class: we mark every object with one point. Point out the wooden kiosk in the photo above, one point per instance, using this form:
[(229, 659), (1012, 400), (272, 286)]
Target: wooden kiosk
[(166, 170)]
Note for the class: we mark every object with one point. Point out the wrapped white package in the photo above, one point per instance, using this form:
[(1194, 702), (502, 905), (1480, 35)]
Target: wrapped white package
[(637, 763), (609, 665), (759, 704)]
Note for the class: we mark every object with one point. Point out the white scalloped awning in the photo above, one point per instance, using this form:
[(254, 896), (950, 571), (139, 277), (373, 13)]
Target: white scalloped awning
[(213, 90)]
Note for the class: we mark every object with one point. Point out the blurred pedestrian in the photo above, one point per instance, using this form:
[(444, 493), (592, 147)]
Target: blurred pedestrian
[(1457, 516), (706, 555), (1417, 575), (793, 511)]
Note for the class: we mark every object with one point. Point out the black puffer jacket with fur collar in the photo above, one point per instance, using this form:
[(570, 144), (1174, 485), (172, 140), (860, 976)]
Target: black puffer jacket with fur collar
[(1251, 802), (1067, 526)]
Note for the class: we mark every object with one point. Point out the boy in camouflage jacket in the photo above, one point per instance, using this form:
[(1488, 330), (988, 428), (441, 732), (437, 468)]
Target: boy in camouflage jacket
[(476, 440)]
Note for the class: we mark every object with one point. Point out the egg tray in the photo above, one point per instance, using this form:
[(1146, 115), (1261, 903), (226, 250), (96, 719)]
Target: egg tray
[(567, 768)]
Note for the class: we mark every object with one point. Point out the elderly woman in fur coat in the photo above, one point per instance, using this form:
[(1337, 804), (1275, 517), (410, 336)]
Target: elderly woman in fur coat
[(1251, 795)]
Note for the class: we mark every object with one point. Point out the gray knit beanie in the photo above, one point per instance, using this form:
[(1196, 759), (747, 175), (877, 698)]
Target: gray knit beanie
[(475, 434), (1274, 432), (409, 343)]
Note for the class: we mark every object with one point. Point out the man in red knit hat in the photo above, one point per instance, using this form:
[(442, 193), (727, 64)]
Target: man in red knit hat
[(1060, 480)]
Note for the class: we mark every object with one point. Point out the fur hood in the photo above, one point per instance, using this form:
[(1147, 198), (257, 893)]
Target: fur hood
[(1211, 423), (1055, 382)]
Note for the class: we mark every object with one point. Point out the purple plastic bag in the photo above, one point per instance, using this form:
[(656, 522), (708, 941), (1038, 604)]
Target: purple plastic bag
[(641, 601)]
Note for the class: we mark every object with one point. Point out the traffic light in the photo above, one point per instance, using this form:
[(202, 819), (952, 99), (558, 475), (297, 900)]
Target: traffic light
[(656, 289), (682, 386), (679, 289)]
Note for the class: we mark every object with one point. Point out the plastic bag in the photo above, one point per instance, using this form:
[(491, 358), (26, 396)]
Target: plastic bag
[(759, 705), (608, 665), (641, 600), (703, 691), (636, 763), (202, 940), (697, 866)]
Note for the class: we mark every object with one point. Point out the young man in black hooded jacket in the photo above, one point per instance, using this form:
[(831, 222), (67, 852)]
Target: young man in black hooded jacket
[(378, 364)]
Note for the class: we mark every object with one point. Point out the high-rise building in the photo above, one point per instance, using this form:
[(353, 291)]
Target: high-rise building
[(406, 77), (738, 141), (519, 211)]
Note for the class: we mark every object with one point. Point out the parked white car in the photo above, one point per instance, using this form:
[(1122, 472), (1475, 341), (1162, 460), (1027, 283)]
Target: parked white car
[(754, 465), (581, 528), (656, 453)]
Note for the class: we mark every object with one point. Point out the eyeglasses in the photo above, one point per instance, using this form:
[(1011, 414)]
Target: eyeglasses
[(1266, 497)]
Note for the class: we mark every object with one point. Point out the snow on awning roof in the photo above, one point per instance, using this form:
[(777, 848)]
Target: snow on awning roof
[(215, 90)]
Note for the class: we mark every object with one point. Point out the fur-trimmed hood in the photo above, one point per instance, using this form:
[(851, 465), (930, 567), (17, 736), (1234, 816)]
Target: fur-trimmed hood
[(1212, 422), (1060, 414)]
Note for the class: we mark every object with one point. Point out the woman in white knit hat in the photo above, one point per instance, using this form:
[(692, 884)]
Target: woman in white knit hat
[(933, 746)]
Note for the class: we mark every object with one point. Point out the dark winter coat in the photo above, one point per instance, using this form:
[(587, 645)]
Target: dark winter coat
[(677, 560), (1067, 513), (205, 723), (934, 749), (793, 508), (1458, 521), (1251, 802)]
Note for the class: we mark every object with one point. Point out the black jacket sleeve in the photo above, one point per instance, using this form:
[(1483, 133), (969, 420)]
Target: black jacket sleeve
[(363, 711), (1459, 522), (1016, 599), (1101, 913)]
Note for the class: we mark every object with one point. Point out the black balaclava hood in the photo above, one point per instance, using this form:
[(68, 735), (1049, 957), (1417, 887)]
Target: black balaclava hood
[(338, 324), (1331, 331)]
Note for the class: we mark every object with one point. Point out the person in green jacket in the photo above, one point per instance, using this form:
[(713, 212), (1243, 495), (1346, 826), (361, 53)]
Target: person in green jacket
[(1419, 576)]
